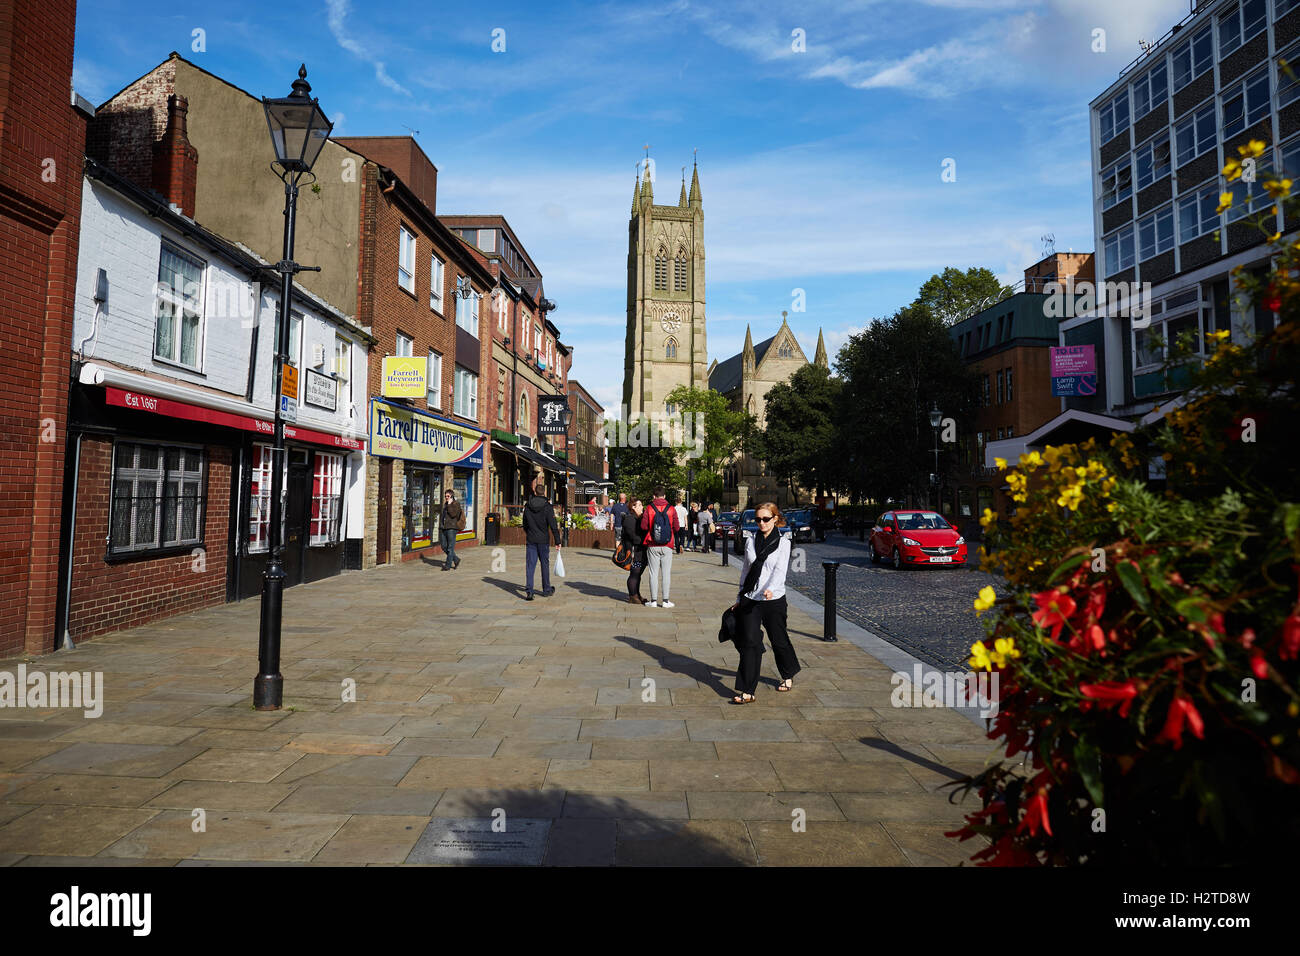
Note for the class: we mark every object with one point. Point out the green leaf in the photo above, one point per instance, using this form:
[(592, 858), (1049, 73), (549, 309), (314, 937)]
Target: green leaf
[(1067, 566), (1131, 578), (1088, 761), (1191, 609)]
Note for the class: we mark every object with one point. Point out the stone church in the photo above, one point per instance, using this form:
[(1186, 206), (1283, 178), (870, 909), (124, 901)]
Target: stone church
[(666, 345), (744, 380), (665, 298)]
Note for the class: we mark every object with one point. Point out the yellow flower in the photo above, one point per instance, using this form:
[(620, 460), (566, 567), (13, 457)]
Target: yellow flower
[(1277, 189), (986, 599), (987, 518), (1253, 148), (1052, 455), (1225, 202), (1006, 646), (1031, 461), (980, 657), (1070, 497), (1000, 464), (1275, 236), (1232, 170)]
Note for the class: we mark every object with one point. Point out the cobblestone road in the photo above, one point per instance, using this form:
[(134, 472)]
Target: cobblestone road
[(924, 611)]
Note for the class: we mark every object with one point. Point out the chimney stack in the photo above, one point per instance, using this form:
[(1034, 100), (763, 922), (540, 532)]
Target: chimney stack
[(175, 161)]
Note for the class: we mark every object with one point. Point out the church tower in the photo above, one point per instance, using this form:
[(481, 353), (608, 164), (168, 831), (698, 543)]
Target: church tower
[(665, 343)]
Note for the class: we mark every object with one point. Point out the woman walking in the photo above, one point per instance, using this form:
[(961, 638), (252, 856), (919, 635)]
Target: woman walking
[(633, 539), (762, 602), (452, 521)]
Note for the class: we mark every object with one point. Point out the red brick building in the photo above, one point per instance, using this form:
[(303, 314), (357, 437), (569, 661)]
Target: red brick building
[(42, 137)]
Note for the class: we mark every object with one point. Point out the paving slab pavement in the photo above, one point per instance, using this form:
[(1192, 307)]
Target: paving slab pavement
[(426, 711)]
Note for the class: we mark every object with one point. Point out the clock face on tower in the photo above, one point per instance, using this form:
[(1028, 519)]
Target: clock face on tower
[(671, 323)]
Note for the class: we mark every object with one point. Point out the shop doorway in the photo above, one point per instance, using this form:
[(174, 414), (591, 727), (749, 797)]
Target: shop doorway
[(422, 504), (384, 520)]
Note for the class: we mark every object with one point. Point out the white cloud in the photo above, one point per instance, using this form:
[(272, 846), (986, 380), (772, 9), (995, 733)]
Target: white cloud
[(338, 11)]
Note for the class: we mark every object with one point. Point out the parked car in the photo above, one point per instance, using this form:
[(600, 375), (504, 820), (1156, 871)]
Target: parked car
[(801, 524), (726, 526), (914, 537)]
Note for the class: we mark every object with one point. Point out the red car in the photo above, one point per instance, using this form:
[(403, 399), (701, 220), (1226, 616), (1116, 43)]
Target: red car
[(915, 537)]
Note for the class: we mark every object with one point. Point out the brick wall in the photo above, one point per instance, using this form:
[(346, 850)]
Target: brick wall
[(124, 130), (41, 142), (110, 596)]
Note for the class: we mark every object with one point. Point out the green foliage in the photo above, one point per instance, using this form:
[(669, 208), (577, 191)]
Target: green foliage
[(952, 295), (800, 443), (893, 372), (638, 470)]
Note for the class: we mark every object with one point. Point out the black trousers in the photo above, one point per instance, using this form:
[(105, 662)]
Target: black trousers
[(771, 615), (634, 575)]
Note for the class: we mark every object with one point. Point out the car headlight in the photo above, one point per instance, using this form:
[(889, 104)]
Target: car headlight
[(909, 541), (961, 540), (804, 528)]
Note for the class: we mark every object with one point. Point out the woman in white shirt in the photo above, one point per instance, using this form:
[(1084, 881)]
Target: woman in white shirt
[(762, 602)]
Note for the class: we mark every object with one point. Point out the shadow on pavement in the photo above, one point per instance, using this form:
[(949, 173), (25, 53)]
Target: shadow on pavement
[(596, 590), (720, 678), (559, 828), (893, 748)]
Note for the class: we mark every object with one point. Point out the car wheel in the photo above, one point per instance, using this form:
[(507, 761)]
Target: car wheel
[(898, 560)]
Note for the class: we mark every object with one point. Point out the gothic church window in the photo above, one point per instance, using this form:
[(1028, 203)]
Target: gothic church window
[(670, 349), (679, 272), (785, 351), (661, 271)]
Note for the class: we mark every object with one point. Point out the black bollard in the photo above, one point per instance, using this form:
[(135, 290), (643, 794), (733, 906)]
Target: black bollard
[(862, 530), (828, 603), (724, 552)]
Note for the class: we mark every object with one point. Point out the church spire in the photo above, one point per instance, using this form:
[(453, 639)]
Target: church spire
[(681, 201), (647, 191), (636, 192), (695, 200), (820, 357)]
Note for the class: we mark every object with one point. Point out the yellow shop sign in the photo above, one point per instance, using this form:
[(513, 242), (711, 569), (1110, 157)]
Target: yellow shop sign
[(404, 377)]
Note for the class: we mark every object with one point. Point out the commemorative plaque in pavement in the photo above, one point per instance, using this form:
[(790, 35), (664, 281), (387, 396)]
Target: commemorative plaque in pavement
[(472, 840)]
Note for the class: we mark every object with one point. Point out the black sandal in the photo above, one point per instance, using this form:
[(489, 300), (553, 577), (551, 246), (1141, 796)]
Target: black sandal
[(743, 699), (785, 685)]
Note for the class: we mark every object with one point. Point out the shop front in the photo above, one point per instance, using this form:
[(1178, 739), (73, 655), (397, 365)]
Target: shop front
[(424, 456)]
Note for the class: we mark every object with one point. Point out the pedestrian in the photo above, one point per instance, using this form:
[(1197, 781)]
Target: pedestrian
[(620, 509), (452, 521), (761, 600), (693, 527), (566, 524), (591, 510), (634, 541), (680, 532), (659, 522), (704, 524), (539, 528)]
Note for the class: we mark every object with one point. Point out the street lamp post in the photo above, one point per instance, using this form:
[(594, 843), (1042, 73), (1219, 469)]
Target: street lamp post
[(936, 417), (298, 132)]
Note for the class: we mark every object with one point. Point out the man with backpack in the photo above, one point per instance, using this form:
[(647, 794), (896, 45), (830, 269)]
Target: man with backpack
[(659, 522)]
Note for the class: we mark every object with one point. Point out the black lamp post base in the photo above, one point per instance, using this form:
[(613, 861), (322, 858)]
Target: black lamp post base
[(268, 691)]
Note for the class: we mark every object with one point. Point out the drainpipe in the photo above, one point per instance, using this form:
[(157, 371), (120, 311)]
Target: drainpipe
[(72, 548)]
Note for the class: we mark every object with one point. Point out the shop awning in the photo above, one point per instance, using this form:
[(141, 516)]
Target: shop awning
[(587, 478), (532, 455)]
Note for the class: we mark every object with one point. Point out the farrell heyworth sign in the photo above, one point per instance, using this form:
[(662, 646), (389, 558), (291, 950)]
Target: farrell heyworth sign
[(397, 432)]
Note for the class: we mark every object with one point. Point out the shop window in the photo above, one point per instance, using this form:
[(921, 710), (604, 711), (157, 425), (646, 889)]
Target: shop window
[(159, 497), (463, 484), (326, 499), (179, 309), (259, 500)]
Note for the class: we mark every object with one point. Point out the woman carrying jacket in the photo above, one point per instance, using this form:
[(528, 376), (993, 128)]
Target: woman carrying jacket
[(633, 540), (761, 601)]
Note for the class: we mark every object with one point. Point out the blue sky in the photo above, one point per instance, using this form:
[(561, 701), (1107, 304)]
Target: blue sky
[(820, 169)]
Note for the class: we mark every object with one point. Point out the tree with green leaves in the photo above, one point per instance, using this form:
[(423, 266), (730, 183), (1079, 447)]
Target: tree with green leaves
[(952, 295), (800, 440), (893, 372), (714, 433), (638, 470)]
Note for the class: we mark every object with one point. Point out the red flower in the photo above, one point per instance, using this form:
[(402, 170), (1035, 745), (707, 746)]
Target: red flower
[(1004, 853), (1053, 609), (1290, 638), (1248, 637), (1036, 814), (1181, 709), (1259, 664), (1111, 692), (1096, 637)]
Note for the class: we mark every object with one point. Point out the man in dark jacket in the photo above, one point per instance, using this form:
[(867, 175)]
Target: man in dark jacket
[(539, 527), (453, 520)]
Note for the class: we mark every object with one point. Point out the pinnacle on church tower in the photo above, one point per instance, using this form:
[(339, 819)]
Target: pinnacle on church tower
[(820, 357), (695, 198), (681, 200), (636, 191), (647, 191)]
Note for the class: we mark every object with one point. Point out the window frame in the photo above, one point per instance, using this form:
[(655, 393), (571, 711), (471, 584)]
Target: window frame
[(467, 312), (135, 474), (1121, 236), (1153, 221), (1200, 120), (433, 384), (1204, 40), (179, 300), (1116, 193), (437, 277), (1204, 193), (1146, 153), (343, 366), (399, 338), (406, 259), (1146, 83), (1107, 116), (330, 523), (461, 394)]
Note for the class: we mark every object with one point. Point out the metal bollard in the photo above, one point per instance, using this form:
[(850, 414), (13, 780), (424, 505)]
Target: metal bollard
[(724, 552), (828, 603), (862, 531)]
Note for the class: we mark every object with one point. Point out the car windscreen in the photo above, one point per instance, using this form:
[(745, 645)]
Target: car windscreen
[(923, 521)]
